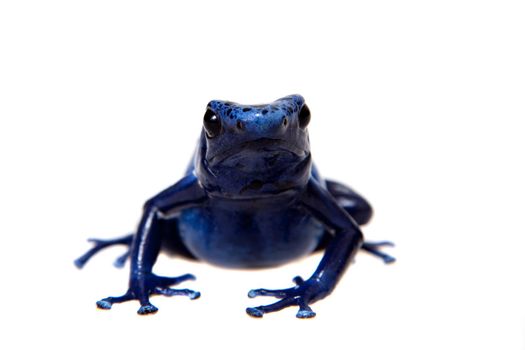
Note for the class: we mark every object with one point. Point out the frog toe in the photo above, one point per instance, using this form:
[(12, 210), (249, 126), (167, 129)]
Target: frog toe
[(169, 292), (161, 281), (374, 248), (305, 311), (107, 303), (104, 304), (147, 309), (277, 293), (259, 311), (261, 292), (121, 260), (254, 312), (302, 313)]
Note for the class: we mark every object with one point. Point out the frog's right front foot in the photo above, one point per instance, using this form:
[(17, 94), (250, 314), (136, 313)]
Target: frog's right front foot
[(150, 285)]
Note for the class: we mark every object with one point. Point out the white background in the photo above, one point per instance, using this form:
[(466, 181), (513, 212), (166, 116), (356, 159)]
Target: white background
[(416, 104)]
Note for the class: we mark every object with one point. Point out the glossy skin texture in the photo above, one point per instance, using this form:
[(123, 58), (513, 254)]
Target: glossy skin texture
[(250, 198)]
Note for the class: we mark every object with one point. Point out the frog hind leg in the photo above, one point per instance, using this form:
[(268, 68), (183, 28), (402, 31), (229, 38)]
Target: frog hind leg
[(171, 243), (100, 244), (361, 211)]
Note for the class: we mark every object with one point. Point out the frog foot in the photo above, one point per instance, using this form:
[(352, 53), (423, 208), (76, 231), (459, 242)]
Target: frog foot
[(374, 249), (303, 294), (100, 244), (155, 285)]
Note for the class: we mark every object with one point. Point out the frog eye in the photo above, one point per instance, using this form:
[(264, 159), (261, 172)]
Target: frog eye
[(212, 123), (304, 117)]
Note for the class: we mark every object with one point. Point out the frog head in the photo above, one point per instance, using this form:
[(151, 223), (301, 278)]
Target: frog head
[(254, 150)]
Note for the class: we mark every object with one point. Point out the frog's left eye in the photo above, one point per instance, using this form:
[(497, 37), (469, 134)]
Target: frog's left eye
[(212, 123)]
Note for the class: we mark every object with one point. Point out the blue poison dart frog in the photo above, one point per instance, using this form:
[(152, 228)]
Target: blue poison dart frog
[(251, 198)]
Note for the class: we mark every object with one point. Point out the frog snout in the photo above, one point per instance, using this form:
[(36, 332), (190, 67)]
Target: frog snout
[(260, 127)]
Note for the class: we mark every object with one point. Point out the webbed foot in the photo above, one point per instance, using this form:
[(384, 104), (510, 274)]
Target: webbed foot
[(151, 285), (100, 244), (374, 249), (303, 294)]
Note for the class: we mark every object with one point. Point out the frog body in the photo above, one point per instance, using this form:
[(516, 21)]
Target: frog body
[(250, 198), (249, 237)]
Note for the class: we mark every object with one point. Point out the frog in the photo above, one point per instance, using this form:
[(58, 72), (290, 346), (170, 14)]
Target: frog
[(251, 198)]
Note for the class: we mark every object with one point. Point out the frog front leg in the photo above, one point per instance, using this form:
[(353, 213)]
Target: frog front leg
[(339, 253), (146, 246)]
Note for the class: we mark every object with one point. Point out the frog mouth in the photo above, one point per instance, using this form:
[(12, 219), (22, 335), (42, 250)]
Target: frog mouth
[(266, 147)]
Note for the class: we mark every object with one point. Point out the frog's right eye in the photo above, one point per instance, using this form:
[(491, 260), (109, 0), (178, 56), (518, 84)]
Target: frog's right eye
[(304, 117), (212, 123)]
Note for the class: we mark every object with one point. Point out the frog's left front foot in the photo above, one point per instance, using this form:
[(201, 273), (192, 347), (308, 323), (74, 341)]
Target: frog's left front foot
[(304, 293)]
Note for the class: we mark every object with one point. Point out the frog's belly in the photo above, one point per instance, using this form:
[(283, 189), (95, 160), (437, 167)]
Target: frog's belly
[(236, 238)]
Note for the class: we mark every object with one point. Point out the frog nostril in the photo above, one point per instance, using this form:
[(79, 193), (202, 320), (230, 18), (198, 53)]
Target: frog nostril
[(240, 125)]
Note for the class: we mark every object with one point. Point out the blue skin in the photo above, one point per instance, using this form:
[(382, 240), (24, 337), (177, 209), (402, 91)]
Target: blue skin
[(251, 198)]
